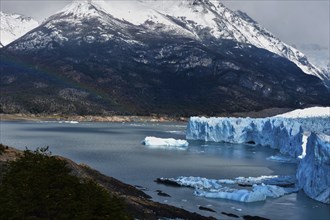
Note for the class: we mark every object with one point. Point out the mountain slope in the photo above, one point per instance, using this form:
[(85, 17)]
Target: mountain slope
[(13, 26), (204, 17), (84, 60)]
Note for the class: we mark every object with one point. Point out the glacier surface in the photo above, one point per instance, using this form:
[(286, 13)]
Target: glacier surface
[(313, 173), (283, 134), (300, 134)]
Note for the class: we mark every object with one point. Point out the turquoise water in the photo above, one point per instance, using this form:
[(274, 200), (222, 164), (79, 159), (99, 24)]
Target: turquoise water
[(115, 149)]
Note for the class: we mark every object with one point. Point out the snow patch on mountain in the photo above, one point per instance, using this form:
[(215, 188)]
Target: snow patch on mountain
[(13, 26)]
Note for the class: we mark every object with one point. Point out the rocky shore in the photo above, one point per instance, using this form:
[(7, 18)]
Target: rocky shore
[(89, 118), (131, 118), (137, 203)]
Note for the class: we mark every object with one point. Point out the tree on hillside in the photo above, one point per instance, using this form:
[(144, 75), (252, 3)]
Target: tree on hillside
[(39, 186)]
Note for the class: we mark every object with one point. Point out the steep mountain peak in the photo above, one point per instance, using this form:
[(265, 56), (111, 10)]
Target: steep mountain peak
[(83, 8), (13, 26)]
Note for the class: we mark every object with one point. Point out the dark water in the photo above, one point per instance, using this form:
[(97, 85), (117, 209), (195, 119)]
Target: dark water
[(115, 149)]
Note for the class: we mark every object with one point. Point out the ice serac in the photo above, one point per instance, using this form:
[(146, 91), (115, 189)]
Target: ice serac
[(313, 172), (13, 26), (279, 133)]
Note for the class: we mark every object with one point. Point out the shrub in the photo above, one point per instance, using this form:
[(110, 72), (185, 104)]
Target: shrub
[(2, 148), (39, 186)]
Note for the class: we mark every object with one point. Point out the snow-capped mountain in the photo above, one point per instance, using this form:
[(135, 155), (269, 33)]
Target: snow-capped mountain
[(318, 55), (13, 26), (201, 19), (129, 56)]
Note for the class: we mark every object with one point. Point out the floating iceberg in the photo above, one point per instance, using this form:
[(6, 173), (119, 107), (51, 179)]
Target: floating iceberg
[(313, 173), (262, 187), (282, 159), (258, 193), (169, 142), (69, 122), (204, 183)]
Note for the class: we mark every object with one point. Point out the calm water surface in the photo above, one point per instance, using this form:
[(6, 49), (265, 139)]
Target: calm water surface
[(115, 149)]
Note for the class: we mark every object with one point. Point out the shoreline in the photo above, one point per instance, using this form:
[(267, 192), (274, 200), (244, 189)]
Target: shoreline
[(133, 118), (90, 118)]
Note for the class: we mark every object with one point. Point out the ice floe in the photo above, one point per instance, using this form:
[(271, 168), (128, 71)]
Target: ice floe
[(161, 142), (262, 187)]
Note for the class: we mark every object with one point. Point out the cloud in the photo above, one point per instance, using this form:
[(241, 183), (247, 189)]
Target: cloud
[(295, 22)]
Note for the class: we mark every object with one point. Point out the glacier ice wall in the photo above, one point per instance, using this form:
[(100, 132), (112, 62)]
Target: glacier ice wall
[(279, 133), (285, 134), (313, 173)]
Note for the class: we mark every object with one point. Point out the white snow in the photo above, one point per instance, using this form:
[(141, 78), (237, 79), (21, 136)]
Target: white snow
[(169, 142), (323, 112), (13, 26)]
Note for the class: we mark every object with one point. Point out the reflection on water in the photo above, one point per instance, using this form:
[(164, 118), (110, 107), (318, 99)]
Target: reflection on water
[(116, 150)]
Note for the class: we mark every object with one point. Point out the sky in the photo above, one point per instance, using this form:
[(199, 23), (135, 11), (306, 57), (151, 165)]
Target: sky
[(293, 21)]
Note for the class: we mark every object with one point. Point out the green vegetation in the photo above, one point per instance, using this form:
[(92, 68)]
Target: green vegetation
[(2, 148), (39, 186)]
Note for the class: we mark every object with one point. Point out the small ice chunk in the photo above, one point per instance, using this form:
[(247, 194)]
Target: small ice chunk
[(170, 142)]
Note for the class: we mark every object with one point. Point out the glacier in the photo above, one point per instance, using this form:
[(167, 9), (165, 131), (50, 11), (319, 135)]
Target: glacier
[(301, 134), (283, 134), (313, 173)]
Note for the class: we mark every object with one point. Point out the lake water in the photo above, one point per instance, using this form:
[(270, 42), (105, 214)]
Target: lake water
[(115, 149)]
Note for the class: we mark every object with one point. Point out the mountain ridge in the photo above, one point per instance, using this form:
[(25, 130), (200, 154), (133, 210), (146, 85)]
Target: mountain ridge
[(13, 26), (108, 65)]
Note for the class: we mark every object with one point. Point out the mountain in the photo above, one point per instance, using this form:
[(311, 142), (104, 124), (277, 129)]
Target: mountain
[(86, 59), (317, 54), (202, 18), (13, 26)]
